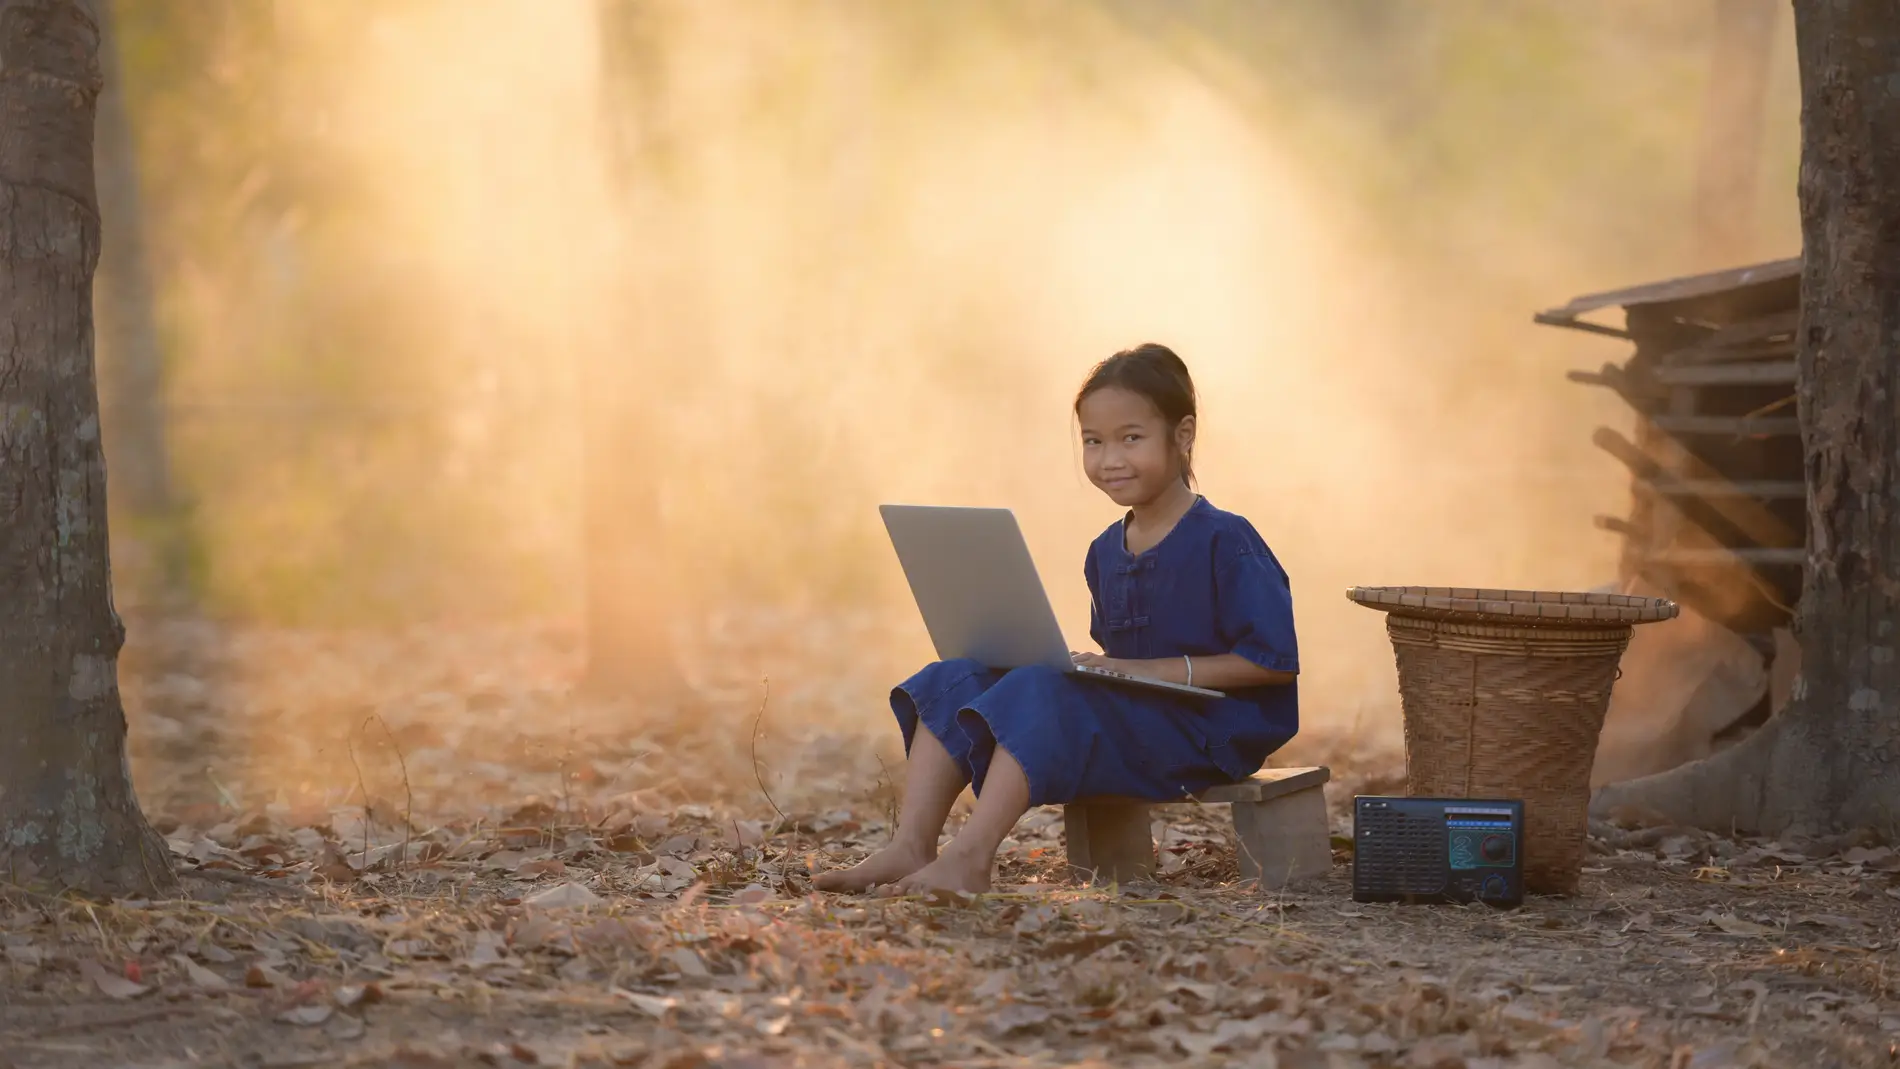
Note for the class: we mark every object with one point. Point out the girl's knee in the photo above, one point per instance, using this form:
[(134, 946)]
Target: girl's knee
[(939, 685), (1038, 701), (939, 676), (962, 667), (1036, 679), (1039, 687)]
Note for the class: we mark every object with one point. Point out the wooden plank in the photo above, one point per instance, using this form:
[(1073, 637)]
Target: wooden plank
[(1718, 355), (1751, 556), (1636, 390), (1640, 464), (1766, 489), (1759, 373), (1676, 289), (1729, 520), (1650, 525), (1761, 328), (1619, 525), (1580, 324), (1752, 339), (1739, 426), (1263, 786), (1108, 841), (1267, 784), (1283, 840)]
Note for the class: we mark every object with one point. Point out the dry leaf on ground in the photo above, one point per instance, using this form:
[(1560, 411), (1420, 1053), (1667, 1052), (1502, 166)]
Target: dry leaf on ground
[(113, 985)]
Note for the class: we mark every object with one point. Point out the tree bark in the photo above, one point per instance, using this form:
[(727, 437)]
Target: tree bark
[(1831, 760), (68, 815)]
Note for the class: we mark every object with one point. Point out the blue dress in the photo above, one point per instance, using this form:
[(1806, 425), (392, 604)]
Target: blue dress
[(1211, 586)]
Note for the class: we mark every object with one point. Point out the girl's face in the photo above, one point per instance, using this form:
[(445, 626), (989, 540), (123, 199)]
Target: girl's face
[(1127, 449)]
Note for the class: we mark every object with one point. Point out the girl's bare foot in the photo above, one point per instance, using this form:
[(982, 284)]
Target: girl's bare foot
[(954, 870), (887, 866)]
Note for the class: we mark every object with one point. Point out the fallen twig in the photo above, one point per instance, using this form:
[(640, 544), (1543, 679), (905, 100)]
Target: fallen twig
[(758, 721), (349, 743), (243, 879), (409, 795)]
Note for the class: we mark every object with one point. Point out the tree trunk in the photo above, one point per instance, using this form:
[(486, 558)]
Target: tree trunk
[(67, 811), (630, 597), (1831, 760)]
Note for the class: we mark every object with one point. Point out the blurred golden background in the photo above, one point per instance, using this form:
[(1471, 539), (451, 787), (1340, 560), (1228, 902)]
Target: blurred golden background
[(793, 258)]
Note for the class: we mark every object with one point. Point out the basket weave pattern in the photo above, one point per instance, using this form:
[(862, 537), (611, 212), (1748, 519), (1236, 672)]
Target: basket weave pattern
[(1509, 712), (1554, 608), (1504, 694)]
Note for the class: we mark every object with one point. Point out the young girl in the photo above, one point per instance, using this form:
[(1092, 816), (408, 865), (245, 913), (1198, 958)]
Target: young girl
[(1181, 591)]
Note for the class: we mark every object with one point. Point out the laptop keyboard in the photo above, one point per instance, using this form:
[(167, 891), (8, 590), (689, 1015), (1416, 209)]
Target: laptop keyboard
[(1091, 670)]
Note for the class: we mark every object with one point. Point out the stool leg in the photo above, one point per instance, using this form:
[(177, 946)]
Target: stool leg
[(1075, 841), (1284, 839), (1109, 841)]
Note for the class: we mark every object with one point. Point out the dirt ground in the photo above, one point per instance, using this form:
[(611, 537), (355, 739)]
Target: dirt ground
[(535, 882)]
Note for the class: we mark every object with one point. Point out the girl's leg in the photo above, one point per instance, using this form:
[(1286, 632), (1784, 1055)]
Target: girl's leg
[(932, 782), (967, 861)]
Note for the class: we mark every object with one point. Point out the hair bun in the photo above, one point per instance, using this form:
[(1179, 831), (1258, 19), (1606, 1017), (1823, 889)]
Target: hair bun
[(1158, 352), (1163, 358)]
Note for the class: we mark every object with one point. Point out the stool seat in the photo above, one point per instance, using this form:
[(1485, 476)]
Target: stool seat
[(1279, 819)]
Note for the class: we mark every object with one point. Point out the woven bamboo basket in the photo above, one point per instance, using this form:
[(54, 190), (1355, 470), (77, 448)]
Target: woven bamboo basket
[(1504, 693)]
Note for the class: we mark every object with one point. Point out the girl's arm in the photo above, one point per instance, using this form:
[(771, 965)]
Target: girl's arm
[(1219, 671)]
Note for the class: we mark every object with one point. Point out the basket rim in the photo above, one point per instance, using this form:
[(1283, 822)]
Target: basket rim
[(1503, 629), (1547, 606)]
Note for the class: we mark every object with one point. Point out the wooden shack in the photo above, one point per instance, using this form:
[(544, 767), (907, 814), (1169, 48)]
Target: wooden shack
[(1717, 519)]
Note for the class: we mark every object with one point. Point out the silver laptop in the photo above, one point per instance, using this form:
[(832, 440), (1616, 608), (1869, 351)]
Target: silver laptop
[(977, 588)]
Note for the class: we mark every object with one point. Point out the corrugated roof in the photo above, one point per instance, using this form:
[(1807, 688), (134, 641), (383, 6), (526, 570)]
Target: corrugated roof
[(1675, 289)]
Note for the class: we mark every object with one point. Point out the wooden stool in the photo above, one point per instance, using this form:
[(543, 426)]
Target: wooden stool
[(1279, 818)]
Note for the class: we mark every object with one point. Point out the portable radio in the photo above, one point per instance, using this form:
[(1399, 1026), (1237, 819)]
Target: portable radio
[(1438, 850)]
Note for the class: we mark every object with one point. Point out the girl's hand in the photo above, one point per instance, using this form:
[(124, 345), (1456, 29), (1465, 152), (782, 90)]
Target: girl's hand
[(1215, 671), (1096, 660)]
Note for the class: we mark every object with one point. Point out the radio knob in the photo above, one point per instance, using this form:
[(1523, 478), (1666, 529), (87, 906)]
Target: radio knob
[(1494, 886), (1494, 848)]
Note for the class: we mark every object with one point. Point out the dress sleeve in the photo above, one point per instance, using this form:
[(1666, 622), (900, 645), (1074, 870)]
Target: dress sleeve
[(1094, 577), (1255, 605)]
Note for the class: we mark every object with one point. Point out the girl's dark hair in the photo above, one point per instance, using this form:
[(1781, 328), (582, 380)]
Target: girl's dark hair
[(1155, 372)]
